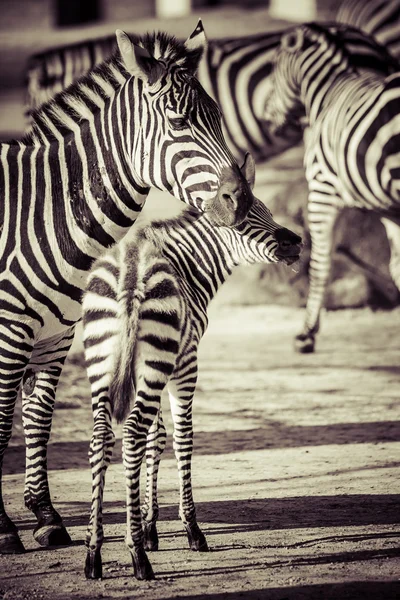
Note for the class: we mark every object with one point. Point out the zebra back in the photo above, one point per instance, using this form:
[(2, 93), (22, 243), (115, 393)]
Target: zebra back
[(380, 18)]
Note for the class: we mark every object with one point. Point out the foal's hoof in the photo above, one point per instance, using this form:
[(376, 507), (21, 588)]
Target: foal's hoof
[(304, 343), (93, 565), (150, 535), (196, 538), (142, 568), (10, 543), (52, 535)]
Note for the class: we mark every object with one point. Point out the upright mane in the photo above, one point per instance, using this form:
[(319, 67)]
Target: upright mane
[(105, 78)]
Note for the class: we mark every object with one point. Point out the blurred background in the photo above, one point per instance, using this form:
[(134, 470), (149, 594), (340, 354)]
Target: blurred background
[(30, 26)]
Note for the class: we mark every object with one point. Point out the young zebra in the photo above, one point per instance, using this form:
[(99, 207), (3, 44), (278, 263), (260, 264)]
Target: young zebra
[(351, 150), (380, 18), (72, 188), (235, 72), (144, 313)]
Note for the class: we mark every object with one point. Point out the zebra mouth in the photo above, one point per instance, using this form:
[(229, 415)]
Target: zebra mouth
[(289, 260)]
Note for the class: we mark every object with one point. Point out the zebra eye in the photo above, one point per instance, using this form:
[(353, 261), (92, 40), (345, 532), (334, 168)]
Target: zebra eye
[(178, 123)]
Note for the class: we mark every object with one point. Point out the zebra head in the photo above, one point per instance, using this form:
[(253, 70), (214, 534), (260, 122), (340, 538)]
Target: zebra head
[(260, 239), (284, 107), (174, 133)]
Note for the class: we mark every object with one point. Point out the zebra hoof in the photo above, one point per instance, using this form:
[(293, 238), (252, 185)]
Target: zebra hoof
[(93, 565), (196, 538), (10, 543), (142, 568), (52, 535), (150, 536), (304, 343)]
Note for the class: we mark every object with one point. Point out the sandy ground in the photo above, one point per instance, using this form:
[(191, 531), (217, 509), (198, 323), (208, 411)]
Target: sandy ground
[(295, 472)]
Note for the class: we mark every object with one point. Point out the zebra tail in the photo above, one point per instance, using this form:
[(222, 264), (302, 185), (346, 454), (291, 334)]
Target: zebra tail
[(122, 386)]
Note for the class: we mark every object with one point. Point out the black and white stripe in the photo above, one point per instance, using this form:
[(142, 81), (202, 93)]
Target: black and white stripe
[(70, 190), (235, 72), (380, 18), (144, 313), (351, 154)]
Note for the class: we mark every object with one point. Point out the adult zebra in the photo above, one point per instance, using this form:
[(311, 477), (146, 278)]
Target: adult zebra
[(72, 188), (351, 150), (144, 313), (379, 18), (235, 72)]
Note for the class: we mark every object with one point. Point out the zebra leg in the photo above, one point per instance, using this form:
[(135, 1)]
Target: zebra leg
[(100, 452), (135, 433), (321, 221), (181, 390), (155, 444), (38, 397), (15, 346), (393, 234)]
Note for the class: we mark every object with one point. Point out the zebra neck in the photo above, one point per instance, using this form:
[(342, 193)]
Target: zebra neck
[(318, 91), (200, 257)]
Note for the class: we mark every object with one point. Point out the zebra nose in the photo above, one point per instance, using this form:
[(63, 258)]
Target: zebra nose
[(230, 199), (288, 241)]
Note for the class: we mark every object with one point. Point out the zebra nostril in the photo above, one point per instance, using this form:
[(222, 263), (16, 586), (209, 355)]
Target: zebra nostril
[(230, 200)]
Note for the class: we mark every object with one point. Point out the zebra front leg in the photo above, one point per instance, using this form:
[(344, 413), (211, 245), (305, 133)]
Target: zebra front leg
[(38, 397), (100, 453), (322, 218), (155, 444), (393, 234), (16, 348), (181, 390)]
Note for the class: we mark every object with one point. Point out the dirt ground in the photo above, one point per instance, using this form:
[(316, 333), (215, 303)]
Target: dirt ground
[(295, 472)]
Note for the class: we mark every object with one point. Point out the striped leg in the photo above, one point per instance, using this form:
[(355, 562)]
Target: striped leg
[(135, 432), (393, 233), (38, 397), (181, 390), (15, 351), (100, 452), (322, 218), (155, 444)]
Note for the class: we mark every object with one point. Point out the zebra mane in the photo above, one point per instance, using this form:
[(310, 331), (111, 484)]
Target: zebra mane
[(158, 232), (103, 80)]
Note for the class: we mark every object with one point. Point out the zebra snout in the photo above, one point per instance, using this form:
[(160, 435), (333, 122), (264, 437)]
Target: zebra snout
[(289, 243)]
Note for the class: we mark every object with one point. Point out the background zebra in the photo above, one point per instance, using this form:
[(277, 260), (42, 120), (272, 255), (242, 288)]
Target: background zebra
[(380, 18), (144, 313), (72, 188), (235, 72), (351, 147)]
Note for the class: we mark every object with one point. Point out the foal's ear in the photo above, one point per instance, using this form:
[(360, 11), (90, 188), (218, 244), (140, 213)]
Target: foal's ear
[(138, 61), (293, 40), (196, 45), (248, 169)]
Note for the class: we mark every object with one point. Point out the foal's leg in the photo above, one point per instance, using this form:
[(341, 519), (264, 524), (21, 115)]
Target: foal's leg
[(322, 218), (100, 452), (38, 397), (181, 389), (136, 428), (155, 444)]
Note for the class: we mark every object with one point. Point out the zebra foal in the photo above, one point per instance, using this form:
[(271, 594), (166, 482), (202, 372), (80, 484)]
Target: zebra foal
[(71, 189), (144, 313), (351, 150)]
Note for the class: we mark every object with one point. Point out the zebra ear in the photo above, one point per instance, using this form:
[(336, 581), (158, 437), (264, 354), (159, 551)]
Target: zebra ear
[(293, 40), (196, 44), (138, 61), (248, 169)]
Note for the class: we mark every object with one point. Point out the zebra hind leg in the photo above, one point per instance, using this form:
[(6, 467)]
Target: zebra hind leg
[(155, 444), (100, 453), (181, 390)]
